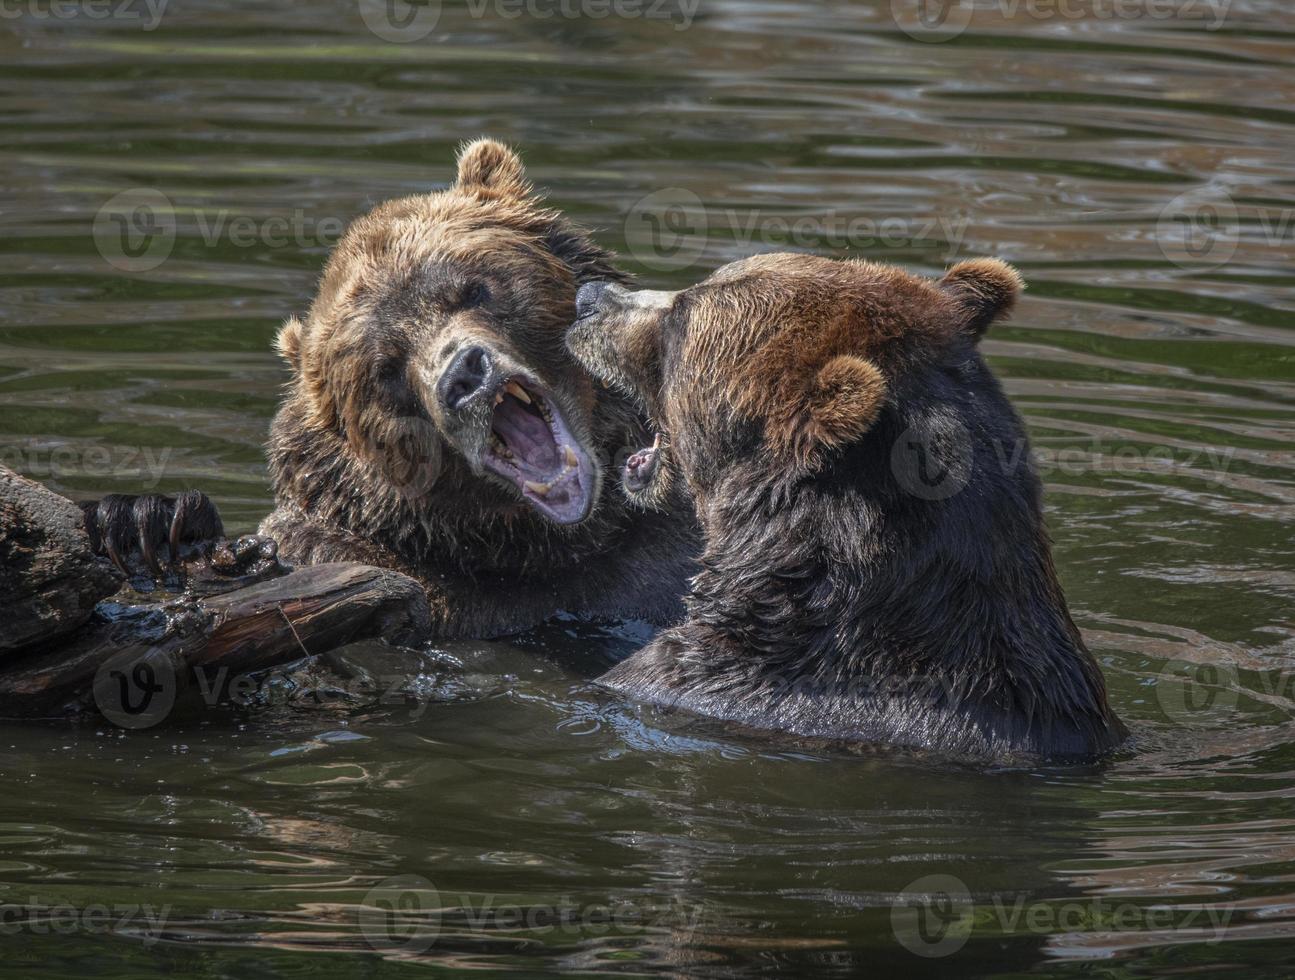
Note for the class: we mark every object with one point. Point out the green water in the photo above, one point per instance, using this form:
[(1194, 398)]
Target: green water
[(509, 816)]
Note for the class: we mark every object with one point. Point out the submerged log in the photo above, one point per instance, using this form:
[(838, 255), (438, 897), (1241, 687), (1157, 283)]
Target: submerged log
[(133, 662), (50, 580), (132, 657)]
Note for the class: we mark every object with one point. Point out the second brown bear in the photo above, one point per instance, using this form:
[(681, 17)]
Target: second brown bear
[(876, 566)]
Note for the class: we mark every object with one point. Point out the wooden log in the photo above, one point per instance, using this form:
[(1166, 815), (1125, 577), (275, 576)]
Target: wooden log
[(50, 580), (134, 662), (62, 648)]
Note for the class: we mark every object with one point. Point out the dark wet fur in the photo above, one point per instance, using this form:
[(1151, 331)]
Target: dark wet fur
[(834, 601), (841, 606)]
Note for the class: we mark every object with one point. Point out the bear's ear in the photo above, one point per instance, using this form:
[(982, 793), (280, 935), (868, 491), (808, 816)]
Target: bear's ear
[(288, 343), (986, 288), (836, 406), (490, 169)]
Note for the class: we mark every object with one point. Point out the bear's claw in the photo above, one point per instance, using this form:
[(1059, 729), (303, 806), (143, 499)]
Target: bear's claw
[(163, 542)]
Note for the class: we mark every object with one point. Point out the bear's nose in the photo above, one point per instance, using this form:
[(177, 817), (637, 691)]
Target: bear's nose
[(471, 371), (588, 296)]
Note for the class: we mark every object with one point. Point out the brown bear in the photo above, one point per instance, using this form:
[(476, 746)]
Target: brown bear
[(875, 566), (435, 424)]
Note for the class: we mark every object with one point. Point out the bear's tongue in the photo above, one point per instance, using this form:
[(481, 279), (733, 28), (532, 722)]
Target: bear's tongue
[(531, 445), (527, 436), (641, 467)]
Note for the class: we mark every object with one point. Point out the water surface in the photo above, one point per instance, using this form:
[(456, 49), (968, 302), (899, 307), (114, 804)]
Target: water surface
[(1136, 169)]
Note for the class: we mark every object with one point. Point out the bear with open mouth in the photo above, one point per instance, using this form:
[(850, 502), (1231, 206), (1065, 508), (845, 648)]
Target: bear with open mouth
[(433, 423), (876, 566)]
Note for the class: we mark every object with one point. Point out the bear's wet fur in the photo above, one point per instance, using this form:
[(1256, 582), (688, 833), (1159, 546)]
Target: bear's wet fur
[(434, 422), (876, 566)]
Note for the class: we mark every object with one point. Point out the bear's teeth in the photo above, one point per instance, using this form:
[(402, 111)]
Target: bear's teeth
[(499, 398), (499, 447), (538, 488), (517, 391), (569, 455)]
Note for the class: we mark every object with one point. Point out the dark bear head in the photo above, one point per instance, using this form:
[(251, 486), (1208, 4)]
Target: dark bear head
[(775, 363), (432, 361)]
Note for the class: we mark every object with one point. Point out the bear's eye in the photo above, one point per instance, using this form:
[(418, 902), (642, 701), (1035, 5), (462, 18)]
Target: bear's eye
[(473, 294), (391, 370)]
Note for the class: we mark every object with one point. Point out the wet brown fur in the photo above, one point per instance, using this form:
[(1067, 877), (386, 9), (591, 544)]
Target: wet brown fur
[(368, 466)]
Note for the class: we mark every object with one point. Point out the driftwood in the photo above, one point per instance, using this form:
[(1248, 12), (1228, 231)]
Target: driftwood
[(50, 580), (134, 657)]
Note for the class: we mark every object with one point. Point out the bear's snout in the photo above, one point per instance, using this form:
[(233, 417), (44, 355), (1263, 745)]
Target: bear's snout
[(470, 373), (588, 298)]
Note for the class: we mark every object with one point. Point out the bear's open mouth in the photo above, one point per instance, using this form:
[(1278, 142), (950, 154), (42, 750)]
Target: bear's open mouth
[(641, 467), (532, 447)]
